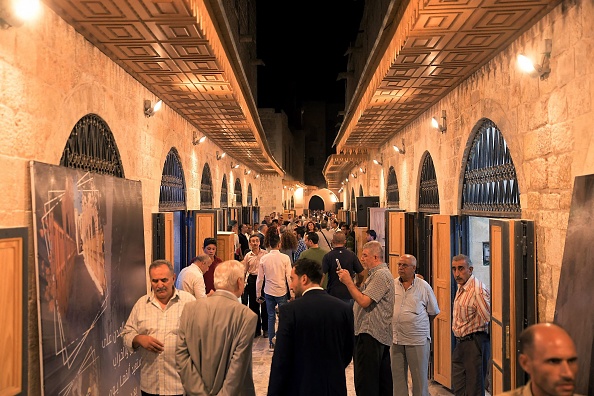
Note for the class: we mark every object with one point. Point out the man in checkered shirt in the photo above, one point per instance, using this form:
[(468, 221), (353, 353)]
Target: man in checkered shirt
[(373, 309)]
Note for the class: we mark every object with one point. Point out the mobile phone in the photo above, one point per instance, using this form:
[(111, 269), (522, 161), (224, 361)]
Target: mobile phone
[(338, 267)]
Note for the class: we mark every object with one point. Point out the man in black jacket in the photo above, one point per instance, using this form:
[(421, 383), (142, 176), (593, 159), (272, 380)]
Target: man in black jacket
[(314, 341)]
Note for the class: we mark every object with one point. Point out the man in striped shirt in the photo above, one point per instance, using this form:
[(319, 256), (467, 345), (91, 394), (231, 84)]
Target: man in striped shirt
[(472, 307)]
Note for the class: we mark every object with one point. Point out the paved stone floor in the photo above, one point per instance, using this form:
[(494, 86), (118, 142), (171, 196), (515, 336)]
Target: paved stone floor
[(261, 367)]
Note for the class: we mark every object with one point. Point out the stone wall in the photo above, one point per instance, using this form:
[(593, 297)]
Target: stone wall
[(50, 77), (546, 124)]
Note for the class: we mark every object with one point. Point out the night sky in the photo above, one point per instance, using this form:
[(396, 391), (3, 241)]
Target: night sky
[(302, 44)]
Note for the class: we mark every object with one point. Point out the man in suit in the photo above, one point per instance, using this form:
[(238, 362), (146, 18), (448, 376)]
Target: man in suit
[(315, 338), (215, 338)]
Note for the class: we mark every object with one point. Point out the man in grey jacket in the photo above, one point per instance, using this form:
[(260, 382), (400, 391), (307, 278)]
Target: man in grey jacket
[(216, 334)]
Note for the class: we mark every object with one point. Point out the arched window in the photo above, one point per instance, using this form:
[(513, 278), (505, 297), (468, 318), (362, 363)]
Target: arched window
[(428, 190), (353, 207), (238, 194), (173, 187), (392, 189), (256, 204), (206, 188), (490, 184), (360, 190), (91, 147), (292, 203), (249, 195), (224, 199)]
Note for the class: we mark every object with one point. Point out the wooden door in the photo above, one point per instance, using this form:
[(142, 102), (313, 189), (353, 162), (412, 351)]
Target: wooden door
[(226, 245), (204, 227), (13, 338), (395, 237), (442, 251), (513, 297)]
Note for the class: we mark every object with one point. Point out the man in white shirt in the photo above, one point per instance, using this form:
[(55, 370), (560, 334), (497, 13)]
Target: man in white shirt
[(191, 278), (152, 329), (276, 268)]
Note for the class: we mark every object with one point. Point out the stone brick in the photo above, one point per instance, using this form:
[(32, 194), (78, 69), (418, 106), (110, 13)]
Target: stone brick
[(561, 137), (550, 201), (578, 97), (537, 144), (559, 169), (538, 174), (565, 199), (533, 202), (557, 106)]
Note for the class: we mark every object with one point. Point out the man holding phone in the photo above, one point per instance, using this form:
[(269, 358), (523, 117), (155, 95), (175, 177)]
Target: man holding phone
[(341, 258)]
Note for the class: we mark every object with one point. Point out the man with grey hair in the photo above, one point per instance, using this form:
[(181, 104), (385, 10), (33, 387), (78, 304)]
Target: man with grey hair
[(470, 324), (325, 235), (373, 309), (191, 278), (415, 306), (152, 330), (215, 338)]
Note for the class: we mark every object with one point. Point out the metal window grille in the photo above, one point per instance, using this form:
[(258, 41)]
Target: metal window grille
[(428, 191), (173, 187), (249, 195), (392, 189), (490, 185), (238, 193), (353, 207), (91, 146), (224, 199), (206, 188)]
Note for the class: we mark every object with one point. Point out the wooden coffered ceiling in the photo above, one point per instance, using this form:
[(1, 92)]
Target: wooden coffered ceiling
[(338, 167), (174, 48), (427, 48)]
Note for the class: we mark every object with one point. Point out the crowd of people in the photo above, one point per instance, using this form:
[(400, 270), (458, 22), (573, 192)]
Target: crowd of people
[(302, 287)]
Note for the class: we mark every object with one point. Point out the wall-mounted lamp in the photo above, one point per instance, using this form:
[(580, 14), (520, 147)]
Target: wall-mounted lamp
[(440, 127), (150, 110), (380, 163), (363, 170), (257, 175), (247, 172), (544, 69), (14, 13), (354, 175), (221, 156), (346, 180), (398, 149), (195, 139), (234, 166)]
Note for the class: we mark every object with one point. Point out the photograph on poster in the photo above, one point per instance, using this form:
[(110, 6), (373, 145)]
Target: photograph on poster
[(89, 242)]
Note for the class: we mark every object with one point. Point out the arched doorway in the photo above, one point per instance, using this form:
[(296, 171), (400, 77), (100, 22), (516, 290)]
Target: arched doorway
[(316, 203)]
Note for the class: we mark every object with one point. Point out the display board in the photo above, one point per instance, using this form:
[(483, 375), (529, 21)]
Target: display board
[(89, 247), (575, 294)]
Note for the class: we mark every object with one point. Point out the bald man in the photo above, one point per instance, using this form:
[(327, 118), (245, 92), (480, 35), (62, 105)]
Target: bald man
[(548, 355)]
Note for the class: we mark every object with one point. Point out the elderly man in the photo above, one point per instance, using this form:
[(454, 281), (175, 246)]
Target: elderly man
[(472, 306), (415, 306), (307, 360), (548, 355), (191, 278), (216, 334), (373, 309), (152, 330)]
